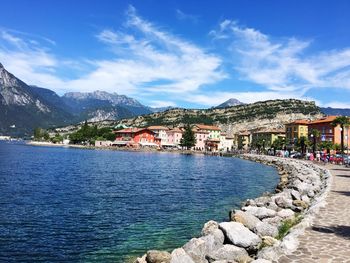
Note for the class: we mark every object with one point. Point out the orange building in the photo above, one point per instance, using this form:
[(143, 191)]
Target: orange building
[(142, 136), (328, 132)]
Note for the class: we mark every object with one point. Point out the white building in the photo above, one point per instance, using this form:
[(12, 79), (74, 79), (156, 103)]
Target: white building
[(226, 143), (160, 133)]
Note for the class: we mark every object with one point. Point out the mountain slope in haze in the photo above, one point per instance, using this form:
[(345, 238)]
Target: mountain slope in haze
[(120, 106), (229, 103), (335, 111), (22, 108)]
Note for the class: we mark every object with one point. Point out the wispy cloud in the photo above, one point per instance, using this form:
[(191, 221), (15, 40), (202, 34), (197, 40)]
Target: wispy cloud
[(283, 64), (144, 60), (154, 60), (187, 17)]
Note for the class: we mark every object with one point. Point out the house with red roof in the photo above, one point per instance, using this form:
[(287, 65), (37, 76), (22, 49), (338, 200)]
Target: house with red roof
[(136, 137)]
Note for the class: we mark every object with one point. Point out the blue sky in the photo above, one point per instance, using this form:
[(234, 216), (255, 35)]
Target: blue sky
[(182, 53)]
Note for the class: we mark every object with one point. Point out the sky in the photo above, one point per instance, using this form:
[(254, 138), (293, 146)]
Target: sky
[(184, 53)]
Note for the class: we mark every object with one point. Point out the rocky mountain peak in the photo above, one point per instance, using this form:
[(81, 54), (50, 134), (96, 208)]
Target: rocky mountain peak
[(229, 103)]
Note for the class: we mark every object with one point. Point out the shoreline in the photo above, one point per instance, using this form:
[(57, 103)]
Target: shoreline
[(49, 144), (254, 232)]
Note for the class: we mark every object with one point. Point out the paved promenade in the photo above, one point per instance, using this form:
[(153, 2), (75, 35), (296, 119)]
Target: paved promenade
[(328, 239)]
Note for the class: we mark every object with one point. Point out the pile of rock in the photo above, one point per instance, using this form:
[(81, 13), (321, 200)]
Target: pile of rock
[(253, 233)]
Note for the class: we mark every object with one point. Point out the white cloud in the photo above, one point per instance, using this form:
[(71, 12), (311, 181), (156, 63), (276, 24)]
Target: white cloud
[(282, 64), (144, 59), (337, 104), (186, 17), (162, 103)]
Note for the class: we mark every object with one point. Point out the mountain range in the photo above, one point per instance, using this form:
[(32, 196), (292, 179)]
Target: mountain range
[(24, 107)]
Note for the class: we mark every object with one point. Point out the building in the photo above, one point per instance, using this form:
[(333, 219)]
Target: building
[(212, 140), (136, 137), (214, 131), (243, 140), (160, 133), (328, 132), (201, 138), (226, 143), (295, 130), (173, 138), (267, 137)]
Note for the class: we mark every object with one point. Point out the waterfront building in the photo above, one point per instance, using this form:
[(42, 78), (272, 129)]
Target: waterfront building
[(173, 137), (201, 138), (136, 137), (328, 132), (213, 131), (243, 140), (295, 130), (267, 137), (226, 142), (160, 132)]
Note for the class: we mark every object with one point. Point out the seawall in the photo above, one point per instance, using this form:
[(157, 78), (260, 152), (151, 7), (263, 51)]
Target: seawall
[(264, 228)]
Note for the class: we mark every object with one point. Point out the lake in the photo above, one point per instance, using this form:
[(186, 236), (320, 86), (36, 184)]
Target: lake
[(76, 205)]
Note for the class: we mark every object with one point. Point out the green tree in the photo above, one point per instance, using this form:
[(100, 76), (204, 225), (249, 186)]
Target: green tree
[(37, 134), (314, 135), (279, 143), (57, 138), (302, 144), (343, 121), (188, 139)]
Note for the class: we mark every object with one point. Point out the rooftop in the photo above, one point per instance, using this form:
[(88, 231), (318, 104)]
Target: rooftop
[(158, 128), (130, 130), (207, 127), (302, 122), (324, 120)]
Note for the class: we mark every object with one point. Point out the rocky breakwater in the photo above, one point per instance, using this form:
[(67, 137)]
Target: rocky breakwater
[(265, 227)]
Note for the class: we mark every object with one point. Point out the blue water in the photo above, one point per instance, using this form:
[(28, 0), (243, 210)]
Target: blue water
[(76, 205)]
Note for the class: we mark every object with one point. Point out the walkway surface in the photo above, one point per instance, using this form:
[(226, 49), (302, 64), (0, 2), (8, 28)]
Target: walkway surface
[(328, 239)]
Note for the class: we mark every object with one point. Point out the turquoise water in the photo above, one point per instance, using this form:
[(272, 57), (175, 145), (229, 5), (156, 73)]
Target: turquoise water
[(74, 205)]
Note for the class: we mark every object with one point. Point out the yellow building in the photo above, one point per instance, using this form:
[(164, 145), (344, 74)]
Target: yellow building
[(295, 130), (242, 140), (267, 137)]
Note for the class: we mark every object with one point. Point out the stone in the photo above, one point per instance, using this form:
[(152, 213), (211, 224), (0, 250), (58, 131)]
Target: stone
[(209, 227), (196, 249), (295, 195), (306, 199), (259, 212), (269, 241), (276, 221), (261, 260), (266, 229), (262, 201), (156, 256), (311, 193), (300, 203), (229, 253), (180, 256), (239, 235), (286, 213), (141, 259), (214, 241), (283, 199), (248, 220), (272, 205)]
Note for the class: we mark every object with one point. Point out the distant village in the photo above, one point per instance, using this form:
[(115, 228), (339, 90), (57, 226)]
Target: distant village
[(212, 138)]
